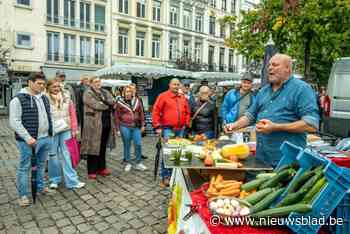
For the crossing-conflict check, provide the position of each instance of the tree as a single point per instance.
(315, 32)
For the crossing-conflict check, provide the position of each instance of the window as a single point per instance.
(141, 9)
(222, 31)
(123, 41)
(53, 46)
(212, 3)
(211, 51)
(85, 50)
(187, 19)
(156, 46)
(221, 59)
(140, 44)
(230, 61)
(173, 45)
(198, 52)
(99, 52)
(52, 11)
(233, 6)
(100, 18)
(156, 11)
(85, 15)
(69, 48)
(174, 15)
(199, 22)
(124, 6)
(224, 4)
(187, 48)
(212, 25)
(24, 40)
(24, 2)
(69, 13)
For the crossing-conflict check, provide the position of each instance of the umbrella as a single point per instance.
(270, 50)
(156, 160)
(34, 175)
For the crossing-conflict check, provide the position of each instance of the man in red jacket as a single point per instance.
(171, 115)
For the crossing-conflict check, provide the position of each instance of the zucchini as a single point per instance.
(254, 184)
(313, 192)
(257, 196)
(287, 166)
(298, 182)
(283, 211)
(311, 182)
(266, 201)
(266, 175)
(271, 183)
(292, 198)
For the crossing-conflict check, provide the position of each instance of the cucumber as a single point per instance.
(257, 196)
(313, 192)
(292, 198)
(266, 201)
(283, 211)
(298, 182)
(311, 182)
(271, 183)
(266, 175)
(254, 184)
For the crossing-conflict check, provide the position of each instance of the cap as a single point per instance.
(248, 76)
(186, 82)
(60, 73)
(205, 81)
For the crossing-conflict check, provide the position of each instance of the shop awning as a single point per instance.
(142, 70)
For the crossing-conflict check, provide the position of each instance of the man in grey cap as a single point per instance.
(68, 89)
(237, 101)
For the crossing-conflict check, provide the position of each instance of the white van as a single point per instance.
(337, 120)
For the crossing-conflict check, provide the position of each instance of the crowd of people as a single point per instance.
(46, 114)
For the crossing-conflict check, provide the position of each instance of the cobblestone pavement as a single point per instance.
(126, 202)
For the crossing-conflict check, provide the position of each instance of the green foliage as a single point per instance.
(322, 26)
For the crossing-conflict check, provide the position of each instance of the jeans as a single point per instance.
(60, 160)
(127, 135)
(167, 132)
(42, 149)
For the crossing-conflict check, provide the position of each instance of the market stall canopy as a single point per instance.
(216, 76)
(115, 83)
(235, 82)
(142, 70)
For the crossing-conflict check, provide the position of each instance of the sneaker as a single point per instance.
(79, 185)
(105, 172)
(144, 157)
(141, 167)
(46, 191)
(128, 167)
(165, 183)
(53, 186)
(92, 176)
(23, 202)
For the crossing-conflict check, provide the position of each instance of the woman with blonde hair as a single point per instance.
(64, 128)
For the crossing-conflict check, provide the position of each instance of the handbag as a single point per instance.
(196, 113)
(59, 126)
(74, 150)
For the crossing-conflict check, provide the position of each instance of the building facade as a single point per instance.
(82, 36)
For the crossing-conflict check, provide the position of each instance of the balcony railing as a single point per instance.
(75, 24)
(74, 59)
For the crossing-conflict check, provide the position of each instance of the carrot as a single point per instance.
(232, 192)
(230, 181)
(225, 186)
(219, 178)
(230, 187)
(211, 184)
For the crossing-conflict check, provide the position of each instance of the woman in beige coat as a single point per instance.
(98, 127)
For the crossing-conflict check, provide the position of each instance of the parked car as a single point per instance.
(337, 103)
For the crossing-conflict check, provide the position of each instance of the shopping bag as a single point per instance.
(74, 151)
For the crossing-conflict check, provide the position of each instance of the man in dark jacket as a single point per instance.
(30, 118)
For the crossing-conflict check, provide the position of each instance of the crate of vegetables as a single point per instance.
(302, 185)
(343, 212)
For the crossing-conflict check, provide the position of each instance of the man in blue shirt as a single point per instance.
(237, 101)
(285, 110)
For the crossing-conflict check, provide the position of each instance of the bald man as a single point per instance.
(285, 110)
(171, 116)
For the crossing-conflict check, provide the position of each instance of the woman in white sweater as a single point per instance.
(64, 127)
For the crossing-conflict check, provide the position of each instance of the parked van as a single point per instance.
(337, 104)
